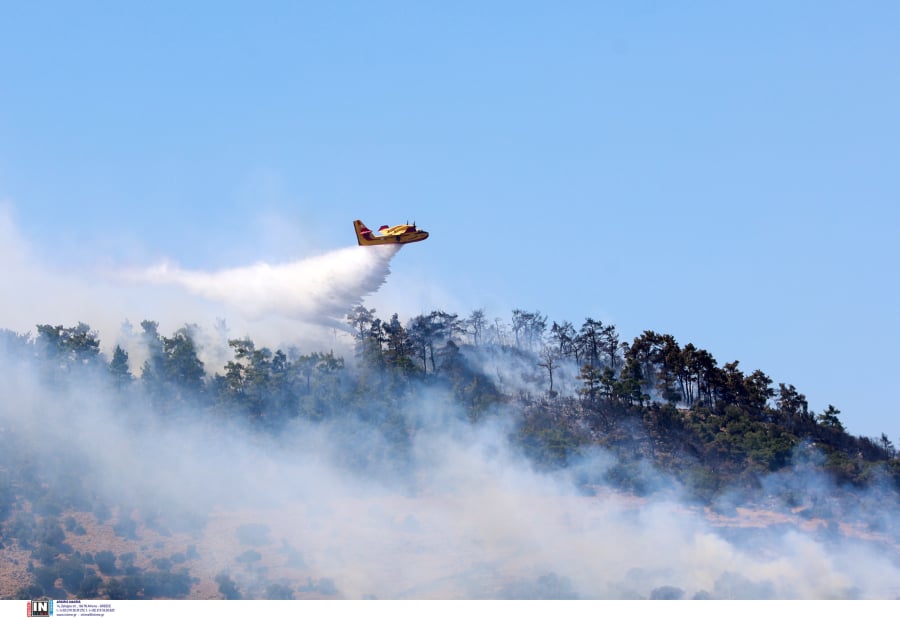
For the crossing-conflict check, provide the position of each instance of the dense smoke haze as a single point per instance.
(340, 508)
(457, 514)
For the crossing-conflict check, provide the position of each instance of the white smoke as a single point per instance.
(462, 515)
(319, 290)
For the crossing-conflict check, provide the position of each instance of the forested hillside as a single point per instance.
(662, 416)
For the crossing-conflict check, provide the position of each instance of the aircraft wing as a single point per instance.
(397, 230)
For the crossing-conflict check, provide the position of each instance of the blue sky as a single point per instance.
(723, 172)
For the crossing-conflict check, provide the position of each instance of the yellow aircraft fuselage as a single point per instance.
(399, 234)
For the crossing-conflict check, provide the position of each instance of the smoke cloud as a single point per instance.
(336, 508)
(333, 507)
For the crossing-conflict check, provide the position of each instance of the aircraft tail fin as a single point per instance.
(363, 234)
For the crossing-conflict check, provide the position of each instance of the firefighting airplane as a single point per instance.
(400, 234)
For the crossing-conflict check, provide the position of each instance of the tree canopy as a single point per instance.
(570, 386)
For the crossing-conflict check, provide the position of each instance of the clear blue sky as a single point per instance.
(728, 173)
